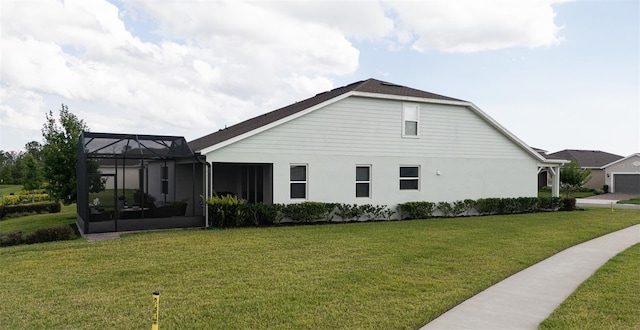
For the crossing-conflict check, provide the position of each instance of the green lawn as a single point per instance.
(383, 275)
(32, 223)
(630, 201)
(8, 189)
(607, 300)
(577, 194)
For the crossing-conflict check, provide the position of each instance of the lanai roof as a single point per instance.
(365, 86)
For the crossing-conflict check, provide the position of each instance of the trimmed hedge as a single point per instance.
(6, 210)
(24, 199)
(39, 236)
(416, 210)
(229, 211)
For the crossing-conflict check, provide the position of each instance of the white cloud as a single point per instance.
(21, 109)
(213, 63)
(471, 26)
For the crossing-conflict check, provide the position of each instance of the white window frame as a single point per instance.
(408, 178)
(406, 117)
(368, 182)
(305, 182)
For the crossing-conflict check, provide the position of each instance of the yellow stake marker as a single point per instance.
(156, 303)
(611, 206)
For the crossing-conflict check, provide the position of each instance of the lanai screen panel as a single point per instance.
(129, 179)
(135, 146)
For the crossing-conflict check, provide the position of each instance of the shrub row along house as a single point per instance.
(370, 142)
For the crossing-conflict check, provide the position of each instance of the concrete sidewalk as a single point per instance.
(527, 298)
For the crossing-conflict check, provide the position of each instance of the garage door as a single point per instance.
(627, 183)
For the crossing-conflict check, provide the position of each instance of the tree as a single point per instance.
(9, 167)
(59, 154)
(31, 174)
(573, 177)
(34, 148)
(96, 183)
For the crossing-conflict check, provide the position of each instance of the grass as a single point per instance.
(8, 189)
(607, 300)
(31, 223)
(630, 201)
(382, 275)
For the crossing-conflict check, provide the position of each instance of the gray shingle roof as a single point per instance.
(365, 86)
(586, 158)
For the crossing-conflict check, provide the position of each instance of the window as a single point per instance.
(363, 181)
(298, 181)
(410, 120)
(164, 172)
(409, 177)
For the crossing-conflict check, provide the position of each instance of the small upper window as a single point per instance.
(298, 181)
(363, 181)
(410, 120)
(409, 177)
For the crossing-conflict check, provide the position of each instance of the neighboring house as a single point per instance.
(623, 175)
(588, 159)
(372, 142)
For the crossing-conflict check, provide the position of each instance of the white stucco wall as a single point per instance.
(474, 159)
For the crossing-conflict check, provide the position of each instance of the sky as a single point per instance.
(558, 74)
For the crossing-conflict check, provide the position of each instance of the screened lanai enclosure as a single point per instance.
(137, 182)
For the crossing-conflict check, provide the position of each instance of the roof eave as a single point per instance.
(620, 160)
(272, 124)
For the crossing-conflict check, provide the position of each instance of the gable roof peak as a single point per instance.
(368, 86)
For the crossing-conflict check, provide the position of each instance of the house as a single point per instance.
(589, 159)
(372, 142)
(623, 175)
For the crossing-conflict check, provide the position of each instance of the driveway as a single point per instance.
(605, 200)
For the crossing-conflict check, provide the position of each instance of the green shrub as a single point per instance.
(263, 214)
(373, 212)
(49, 235)
(549, 203)
(446, 210)
(226, 211)
(508, 206)
(568, 204)
(42, 235)
(348, 211)
(11, 239)
(29, 208)
(229, 211)
(469, 205)
(605, 188)
(54, 207)
(10, 200)
(527, 204)
(24, 199)
(387, 213)
(416, 210)
(486, 206)
(307, 211)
